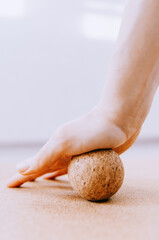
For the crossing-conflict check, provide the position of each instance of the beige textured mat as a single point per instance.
(48, 209)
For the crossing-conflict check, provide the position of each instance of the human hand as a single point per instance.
(92, 131)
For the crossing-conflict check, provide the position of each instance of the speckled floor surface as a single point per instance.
(48, 209)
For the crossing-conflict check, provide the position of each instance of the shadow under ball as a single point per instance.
(96, 175)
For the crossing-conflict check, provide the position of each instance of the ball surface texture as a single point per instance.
(96, 175)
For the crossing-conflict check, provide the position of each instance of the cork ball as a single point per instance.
(96, 175)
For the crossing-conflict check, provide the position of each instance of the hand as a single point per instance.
(92, 131)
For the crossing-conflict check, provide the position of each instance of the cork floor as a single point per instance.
(50, 209)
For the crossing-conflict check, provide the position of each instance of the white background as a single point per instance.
(53, 62)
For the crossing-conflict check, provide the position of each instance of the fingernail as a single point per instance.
(22, 167)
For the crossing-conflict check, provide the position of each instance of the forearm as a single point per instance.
(132, 75)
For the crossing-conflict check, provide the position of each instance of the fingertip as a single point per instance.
(49, 178)
(11, 184)
(17, 180)
(53, 175)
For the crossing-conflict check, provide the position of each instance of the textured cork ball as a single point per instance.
(96, 175)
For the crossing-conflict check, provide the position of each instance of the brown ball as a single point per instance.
(96, 175)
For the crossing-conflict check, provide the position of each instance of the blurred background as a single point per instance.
(54, 57)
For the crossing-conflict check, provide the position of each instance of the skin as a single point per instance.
(117, 118)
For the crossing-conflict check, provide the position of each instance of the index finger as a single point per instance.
(17, 180)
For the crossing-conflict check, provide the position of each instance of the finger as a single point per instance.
(18, 179)
(24, 165)
(51, 157)
(39, 164)
(55, 174)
